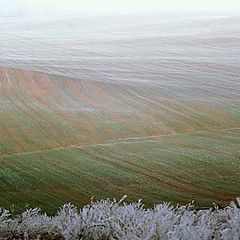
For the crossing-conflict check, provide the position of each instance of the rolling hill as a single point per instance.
(66, 139)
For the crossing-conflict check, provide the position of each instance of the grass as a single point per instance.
(175, 168)
(66, 140)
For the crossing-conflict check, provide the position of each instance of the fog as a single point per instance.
(61, 7)
(171, 50)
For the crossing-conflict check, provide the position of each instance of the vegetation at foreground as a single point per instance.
(108, 219)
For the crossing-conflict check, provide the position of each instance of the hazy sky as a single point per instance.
(93, 6)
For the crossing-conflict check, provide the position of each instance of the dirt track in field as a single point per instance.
(54, 111)
(43, 114)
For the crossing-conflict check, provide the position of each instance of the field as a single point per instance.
(65, 139)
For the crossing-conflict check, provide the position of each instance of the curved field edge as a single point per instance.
(112, 219)
(41, 111)
(67, 140)
(177, 168)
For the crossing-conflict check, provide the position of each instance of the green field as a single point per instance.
(67, 140)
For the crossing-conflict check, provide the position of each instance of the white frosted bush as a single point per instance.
(108, 219)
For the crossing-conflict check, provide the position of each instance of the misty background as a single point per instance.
(68, 7)
(102, 40)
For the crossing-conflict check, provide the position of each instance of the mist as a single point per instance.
(64, 7)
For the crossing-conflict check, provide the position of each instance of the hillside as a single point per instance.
(66, 140)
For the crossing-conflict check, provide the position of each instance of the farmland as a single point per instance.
(65, 139)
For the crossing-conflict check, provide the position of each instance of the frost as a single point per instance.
(112, 219)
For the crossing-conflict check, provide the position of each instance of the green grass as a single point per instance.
(137, 139)
(203, 166)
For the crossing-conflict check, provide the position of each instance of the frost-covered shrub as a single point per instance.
(108, 219)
